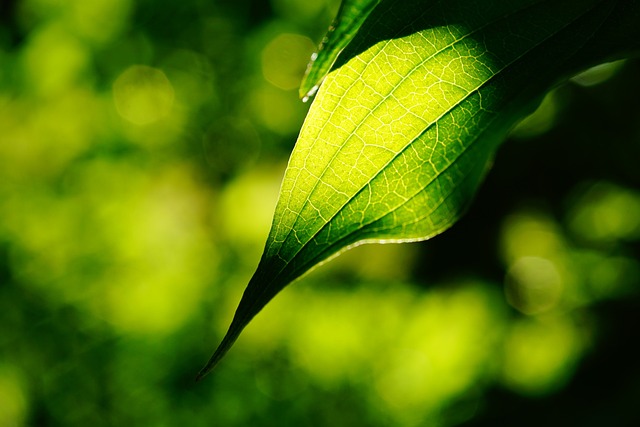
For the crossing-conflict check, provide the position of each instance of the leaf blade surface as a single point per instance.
(402, 130)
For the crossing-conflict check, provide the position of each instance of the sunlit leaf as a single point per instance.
(404, 128)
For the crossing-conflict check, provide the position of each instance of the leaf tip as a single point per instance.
(211, 364)
(221, 351)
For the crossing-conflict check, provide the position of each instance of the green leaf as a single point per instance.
(351, 15)
(404, 127)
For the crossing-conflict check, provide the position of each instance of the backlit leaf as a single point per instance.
(404, 127)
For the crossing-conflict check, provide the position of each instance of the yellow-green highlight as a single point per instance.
(140, 165)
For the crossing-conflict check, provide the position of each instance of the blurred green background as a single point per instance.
(142, 145)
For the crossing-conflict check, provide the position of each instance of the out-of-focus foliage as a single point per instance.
(142, 146)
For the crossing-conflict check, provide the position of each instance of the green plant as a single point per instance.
(417, 95)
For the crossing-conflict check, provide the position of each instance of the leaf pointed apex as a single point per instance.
(265, 283)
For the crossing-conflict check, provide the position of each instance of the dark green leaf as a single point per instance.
(350, 17)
